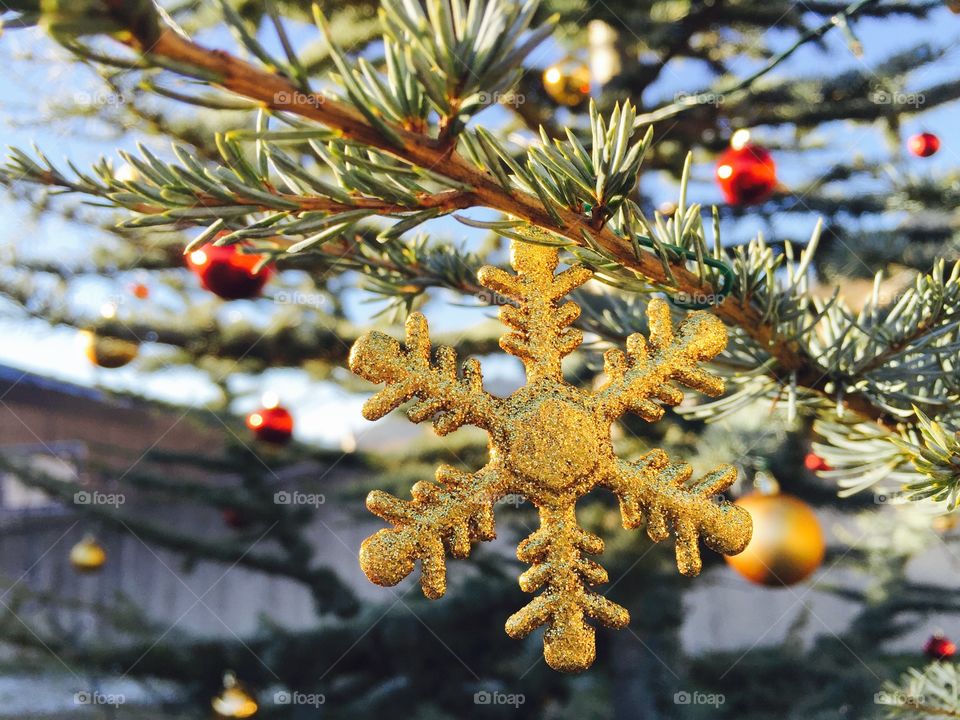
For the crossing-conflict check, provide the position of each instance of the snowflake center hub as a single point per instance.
(563, 451)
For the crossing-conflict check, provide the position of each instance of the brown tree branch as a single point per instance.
(277, 93)
(448, 200)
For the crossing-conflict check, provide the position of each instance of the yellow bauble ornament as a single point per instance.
(88, 555)
(568, 82)
(108, 352)
(945, 523)
(234, 701)
(787, 543)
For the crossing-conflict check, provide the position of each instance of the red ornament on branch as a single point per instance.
(939, 647)
(923, 144)
(272, 423)
(228, 272)
(746, 172)
(236, 518)
(815, 463)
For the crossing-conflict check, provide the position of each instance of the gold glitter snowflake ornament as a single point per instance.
(549, 442)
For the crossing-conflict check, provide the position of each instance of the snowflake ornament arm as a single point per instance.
(550, 442)
(458, 509)
(654, 489)
(409, 373)
(449, 515)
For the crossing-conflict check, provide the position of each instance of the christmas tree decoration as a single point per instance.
(228, 272)
(923, 144)
(88, 555)
(140, 290)
(568, 82)
(235, 518)
(945, 523)
(550, 443)
(234, 701)
(953, 6)
(108, 352)
(815, 463)
(939, 647)
(667, 209)
(272, 423)
(787, 543)
(746, 172)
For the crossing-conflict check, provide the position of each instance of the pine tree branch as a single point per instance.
(329, 591)
(279, 94)
(565, 205)
(676, 108)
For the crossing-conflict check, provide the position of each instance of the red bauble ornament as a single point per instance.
(140, 291)
(746, 174)
(235, 518)
(272, 424)
(923, 144)
(227, 272)
(939, 647)
(815, 463)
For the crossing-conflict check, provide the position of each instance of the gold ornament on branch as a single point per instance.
(234, 701)
(88, 555)
(550, 442)
(568, 82)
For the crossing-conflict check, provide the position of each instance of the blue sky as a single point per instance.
(324, 411)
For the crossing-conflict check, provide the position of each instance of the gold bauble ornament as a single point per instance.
(945, 523)
(787, 543)
(108, 352)
(234, 701)
(550, 443)
(568, 82)
(88, 555)
(953, 6)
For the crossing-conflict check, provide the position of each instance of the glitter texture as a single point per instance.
(550, 442)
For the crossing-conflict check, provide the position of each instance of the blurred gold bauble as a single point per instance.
(954, 6)
(787, 543)
(667, 209)
(234, 701)
(108, 352)
(945, 523)
(568, 82)
(88, 555)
